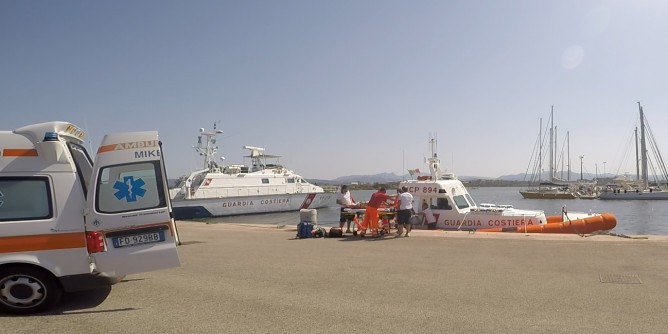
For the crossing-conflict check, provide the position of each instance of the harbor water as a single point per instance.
(633, 217)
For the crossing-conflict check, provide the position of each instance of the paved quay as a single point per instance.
(259, 279)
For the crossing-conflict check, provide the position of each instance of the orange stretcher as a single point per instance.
(385, 214)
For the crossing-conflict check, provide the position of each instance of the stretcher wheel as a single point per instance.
(354, 232)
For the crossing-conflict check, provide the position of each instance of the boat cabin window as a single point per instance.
(265, 181)
(25, 198)
(257, 167)
(461, 202)
(291, 180)
(428, 201)
(468, 197)
(442, 204)
(197, 180)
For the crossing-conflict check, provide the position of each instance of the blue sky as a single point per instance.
(344, 87)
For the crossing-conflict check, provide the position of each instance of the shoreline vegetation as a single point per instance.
(395, 185)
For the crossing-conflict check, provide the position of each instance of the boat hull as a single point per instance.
(231, 206)
(632, 195)
(483, 219)
(556, 224)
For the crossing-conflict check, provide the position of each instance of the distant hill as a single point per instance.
(377, 178)
(513, 177)
(381, 178)
(391, 177)
(545, 176)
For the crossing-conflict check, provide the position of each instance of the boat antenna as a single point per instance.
(434, 162)
(208, 148)
(403, 165)
(88, 134)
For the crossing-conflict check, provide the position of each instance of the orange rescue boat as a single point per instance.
(581, 224)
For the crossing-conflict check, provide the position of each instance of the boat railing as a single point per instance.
(493, 207)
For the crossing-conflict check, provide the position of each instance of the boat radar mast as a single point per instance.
(435, 163)
(254, 151)
(208, 148)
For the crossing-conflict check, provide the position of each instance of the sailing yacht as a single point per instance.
(550, 189)
(625, 188)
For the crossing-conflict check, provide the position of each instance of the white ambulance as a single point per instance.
(68, 223)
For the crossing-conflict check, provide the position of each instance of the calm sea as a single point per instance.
(633, 217)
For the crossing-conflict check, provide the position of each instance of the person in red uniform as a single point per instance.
(371, 213)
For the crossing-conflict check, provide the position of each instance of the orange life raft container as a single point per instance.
(555, 224)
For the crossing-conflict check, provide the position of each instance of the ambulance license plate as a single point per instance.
(138, 239)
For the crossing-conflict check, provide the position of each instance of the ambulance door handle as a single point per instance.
(68, 230)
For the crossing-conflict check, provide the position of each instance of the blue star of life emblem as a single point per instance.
(129, 188)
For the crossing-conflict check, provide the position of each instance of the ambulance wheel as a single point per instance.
(26, 290)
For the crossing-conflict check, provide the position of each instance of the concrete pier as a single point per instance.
(259, 279)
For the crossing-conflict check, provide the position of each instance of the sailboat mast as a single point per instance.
(643, 148)
(540, 151)
(556, 158)
(552, 144)
(568, 153)
(635, 132)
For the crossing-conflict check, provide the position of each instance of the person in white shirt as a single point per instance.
(428, 216)
(345, 200)
(404, 212)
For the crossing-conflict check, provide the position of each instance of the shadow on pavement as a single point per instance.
(75, 303)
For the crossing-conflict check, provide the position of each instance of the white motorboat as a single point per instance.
(261, 187)
(454, 209)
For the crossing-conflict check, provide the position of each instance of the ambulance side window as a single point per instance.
(25, 198)
(129, 187)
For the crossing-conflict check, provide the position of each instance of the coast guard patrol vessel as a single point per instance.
(454, 208)
(261, 187)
